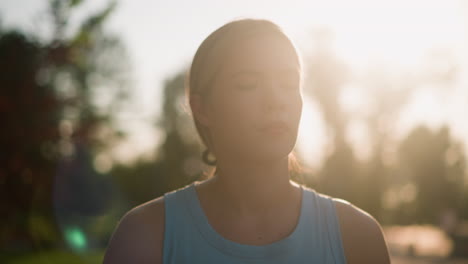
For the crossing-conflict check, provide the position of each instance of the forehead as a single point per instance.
(265, 53)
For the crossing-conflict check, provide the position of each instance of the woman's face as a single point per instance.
(255, 104)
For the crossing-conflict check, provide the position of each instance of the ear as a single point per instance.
(198, 110)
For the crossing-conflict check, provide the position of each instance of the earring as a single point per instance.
(206, 158)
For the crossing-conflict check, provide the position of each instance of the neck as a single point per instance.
(247, 188)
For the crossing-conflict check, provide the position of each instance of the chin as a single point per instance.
(273, 152)
(259, 148)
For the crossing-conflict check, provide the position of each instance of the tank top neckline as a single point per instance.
(286, 245)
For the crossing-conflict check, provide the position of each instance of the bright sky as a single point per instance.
(162, 36)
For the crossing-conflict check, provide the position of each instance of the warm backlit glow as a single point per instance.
(424, 240)
(312, 137)
(421, 39)
(398, 32)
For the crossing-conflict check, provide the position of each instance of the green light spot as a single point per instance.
(75, 238)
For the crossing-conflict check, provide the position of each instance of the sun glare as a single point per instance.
(397, 32)
(401, 36)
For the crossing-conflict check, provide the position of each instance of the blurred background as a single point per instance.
(93, 119)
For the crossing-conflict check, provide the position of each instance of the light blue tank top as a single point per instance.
(189, 238)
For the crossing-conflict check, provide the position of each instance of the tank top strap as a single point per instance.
(177, 224)
(326, 217)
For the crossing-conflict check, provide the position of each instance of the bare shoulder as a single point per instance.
(363, 239)
(139, 235)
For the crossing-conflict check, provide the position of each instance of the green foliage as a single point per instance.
(435, 163)
(177, 160)
(53, 124)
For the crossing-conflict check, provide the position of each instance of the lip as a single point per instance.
(274, 127)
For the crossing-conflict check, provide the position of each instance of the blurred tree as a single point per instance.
(58, 101)
(390, 92)
(325, 76)
(434, 165)
(180, 151)
(29, 129)
(177, 160)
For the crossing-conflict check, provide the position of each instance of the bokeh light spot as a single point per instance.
(76, 238)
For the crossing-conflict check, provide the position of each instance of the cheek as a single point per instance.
(234, 112)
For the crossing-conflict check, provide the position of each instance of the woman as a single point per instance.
(244, 90)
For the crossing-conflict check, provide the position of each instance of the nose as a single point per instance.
(274, 98)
